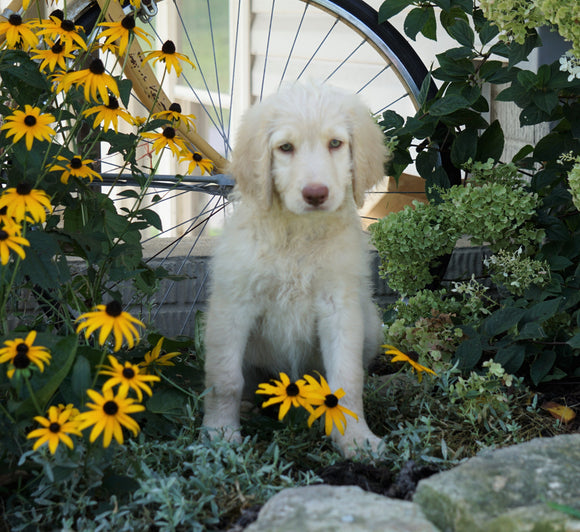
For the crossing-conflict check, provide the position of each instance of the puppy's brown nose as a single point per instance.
(315, 195)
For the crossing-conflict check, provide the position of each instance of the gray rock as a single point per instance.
(323, 508)
(508, 490)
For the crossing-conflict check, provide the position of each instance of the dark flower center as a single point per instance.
(331, 400)
(128, 373)
(97, 67)
(67, 25)
(113, 103)
(114, 309)
(29, 120)
(23, 189)
(292, 390)
(76, 163)
(169, 132)
(168, 48)
(110, 408)
(21, 360)
(58, 13)
(128, 22)
(15, 19)
(3, 235)
(57, 48)
(54, 427)
(197, 157)
(175, 107)
(413, 355)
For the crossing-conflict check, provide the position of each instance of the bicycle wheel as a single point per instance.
(242, 52)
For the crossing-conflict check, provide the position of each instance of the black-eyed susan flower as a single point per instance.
(174, 115)
(20, 353)
(108, 115)
(122, 31)
(18, 33)
(30, 124)
(169, 56)
(4, 218)
(95, 81)
(110, 318)
(108, 414)
(75, 167)
(55, 28)
(56, 428)
(127, 376)
(11, 240)
(287, 393)
(154, 359)
(24, 203)
(168, 138)
(327, 403)
(399, 356)
(55, 55)
(196, 160)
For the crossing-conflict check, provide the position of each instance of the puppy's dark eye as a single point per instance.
(334, 144)
(287, 147)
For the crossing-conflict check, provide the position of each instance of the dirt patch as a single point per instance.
(378, 478)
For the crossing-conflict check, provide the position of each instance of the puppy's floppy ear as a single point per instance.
(251, 157)
(368, 151)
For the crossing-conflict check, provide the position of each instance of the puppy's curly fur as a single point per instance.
(291, 289)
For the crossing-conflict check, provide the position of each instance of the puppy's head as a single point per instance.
(308, 147)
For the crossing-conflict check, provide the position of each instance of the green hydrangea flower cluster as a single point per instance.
(514, 18)
(516, 272)
(497, 213)
(564, 14)
(574, 183)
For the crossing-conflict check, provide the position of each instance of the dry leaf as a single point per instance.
(560, 412)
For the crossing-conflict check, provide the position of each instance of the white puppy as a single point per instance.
(291, 289)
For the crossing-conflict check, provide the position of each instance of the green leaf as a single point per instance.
(541, 366)
(391, 120)
(419, 19)
(468, 354)
(524, 152)
(488, 32)
(511, 357)
(390, 8)
(66, 349)
(152, 218)
(553, 145)
(546, 101)
(542, 311)
(574, 342)
(491, 143)
(462, 33)
(448, 105)
(40, 265)
(81, 377)
(464, 147)
(426, 162)
(502, 320)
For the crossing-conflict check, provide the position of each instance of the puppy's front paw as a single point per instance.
(352, 445)
(228, 433)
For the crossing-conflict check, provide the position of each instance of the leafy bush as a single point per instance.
(522, 209)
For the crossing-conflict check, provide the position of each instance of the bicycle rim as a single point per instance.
(269, 43)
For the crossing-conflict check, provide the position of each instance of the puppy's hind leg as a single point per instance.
(227, 331)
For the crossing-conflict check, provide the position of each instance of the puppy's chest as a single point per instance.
(287, 280)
